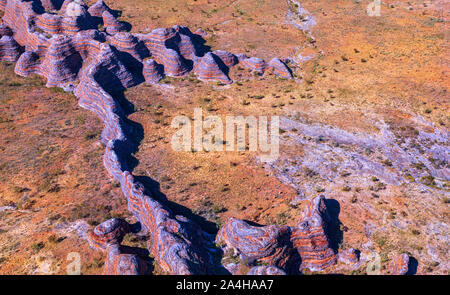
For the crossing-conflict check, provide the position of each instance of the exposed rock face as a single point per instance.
(112, 25)
(399, 265)
(152, 71)
(9, 49)
(349, 256)
(111, 72)
(309, 237)
(27, 64)
(126, 42)
(61, 62)
(98, 8)
(229, 59)
(268, 244)
(110, 232)
(277, 245)
(3, 4)
(66, 49)
(280, 69)
(265, 271)
(120, 260)
(254, 64)
(210, 68)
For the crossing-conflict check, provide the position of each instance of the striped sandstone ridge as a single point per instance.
(229, 59)
(254, 64)
(127, 43)
(399, 265)
(9, 49)
(98, 8)
(263, 270)
(120, 260)
(103, 64)
(309, 236)
(113, 26)
(211, 68)
(255, 244)
(280, 245)
(152, 71)
(280, 68)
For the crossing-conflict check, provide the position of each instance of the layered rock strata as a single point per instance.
(399, 265)
(67, 50)
(280, 245)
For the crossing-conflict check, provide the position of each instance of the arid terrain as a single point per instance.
(364, 122)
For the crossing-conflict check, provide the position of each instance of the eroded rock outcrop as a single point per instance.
(310, 239)
(9, 49)
(211, 68)
(280, 68)
(349, 256)
(152, 71)
(229, 59)
(267, 244)
(98, 8)
(120, 260)
(68, 50)
(399, 265)
(254, 64)
(280, 245)
(112, 25)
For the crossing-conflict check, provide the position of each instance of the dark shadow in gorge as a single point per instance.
(333, 224)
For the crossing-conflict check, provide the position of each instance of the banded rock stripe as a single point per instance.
(152, 71)
(280, 68)
(98, 8)
(9, 49)
(113, 26)
(268, 244)
(309, 237)
(278, 245)
(207, 68)
(348, 256)
(399, 265)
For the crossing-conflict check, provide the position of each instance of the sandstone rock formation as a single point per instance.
(98, 8)
(67, 49)
(254, 64)
(399, 265)
(349, 256)
(120, 260)
(280, 69)
(279, 245)
(268, 244)
(229, 59)
(9, 49)
(152, 71)
(310, 239)
(210, 68)
(112, 25)
(110, 232)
